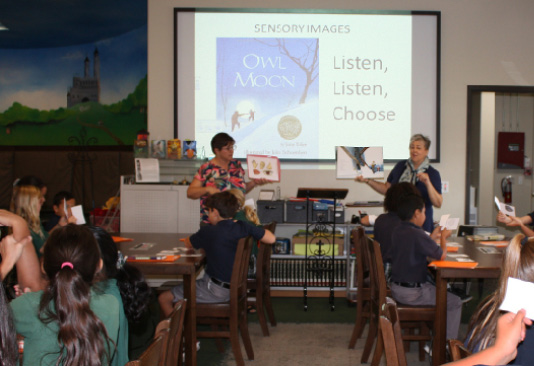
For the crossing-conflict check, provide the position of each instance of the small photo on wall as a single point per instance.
(354, 161)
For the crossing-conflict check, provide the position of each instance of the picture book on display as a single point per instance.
(263, 167)
(354, 161)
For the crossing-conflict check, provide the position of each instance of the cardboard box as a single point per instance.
(299, 246)
(269, 211)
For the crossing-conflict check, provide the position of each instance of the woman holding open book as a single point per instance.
(418, 171)
(219, 174)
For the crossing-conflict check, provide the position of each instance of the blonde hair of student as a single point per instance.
(518, 262)
(250, 213)
(26, 203)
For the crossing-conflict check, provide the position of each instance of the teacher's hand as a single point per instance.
(361, 179)
(260, 182)
(501, 217)
(211, 190)
(424, 178)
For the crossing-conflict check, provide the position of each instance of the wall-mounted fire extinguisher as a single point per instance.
(506, 187)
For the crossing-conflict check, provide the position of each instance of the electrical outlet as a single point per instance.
(444, 186)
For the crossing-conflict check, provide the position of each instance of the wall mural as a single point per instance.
(88, 94)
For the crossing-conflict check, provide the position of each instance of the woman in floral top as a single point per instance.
(219, 174)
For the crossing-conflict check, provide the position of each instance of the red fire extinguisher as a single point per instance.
(506, 187)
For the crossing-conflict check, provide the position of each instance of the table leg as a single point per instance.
(440, 324)
(190, 320)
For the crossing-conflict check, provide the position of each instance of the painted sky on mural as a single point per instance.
(40, 78)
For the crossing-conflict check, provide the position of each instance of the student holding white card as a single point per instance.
(518, 262)
(522, 222)
(62, 204)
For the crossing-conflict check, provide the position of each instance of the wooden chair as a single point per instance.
(458, 350)
(411, 316)
(154, 355)
(363, 296)
(391, 334)
(232, 314)
(175, 325)
(259, 288)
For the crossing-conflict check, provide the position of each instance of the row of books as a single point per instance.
(292, 272)
(165, 149)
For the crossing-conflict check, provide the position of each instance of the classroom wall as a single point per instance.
(482, 43)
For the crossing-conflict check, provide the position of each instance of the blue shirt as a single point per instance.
(409, 253)
(220, 244)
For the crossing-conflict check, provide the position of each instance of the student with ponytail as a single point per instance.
(68, 323)
(518, 262)
(127, 284)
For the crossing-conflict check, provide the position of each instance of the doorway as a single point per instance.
(490, 110)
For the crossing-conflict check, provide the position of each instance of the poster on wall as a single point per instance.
(91, 94)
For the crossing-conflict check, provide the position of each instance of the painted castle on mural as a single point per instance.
(86, 88)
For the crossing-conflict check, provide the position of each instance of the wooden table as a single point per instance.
(489, 266)
(188, 267)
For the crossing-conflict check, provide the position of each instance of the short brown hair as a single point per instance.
(224, 202)
(420, 137)
(220, 140)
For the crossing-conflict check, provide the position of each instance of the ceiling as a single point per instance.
(61, 23)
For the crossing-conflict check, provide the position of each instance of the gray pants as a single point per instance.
(207, 291)
(426, 295)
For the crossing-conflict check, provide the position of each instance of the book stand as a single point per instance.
(320, 261)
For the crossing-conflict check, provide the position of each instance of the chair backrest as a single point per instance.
(175, 325)
(376, 273)
(359, 241)
(391, 334)
(263, 269)
(238, 283)
(458, 350)
(155, 352)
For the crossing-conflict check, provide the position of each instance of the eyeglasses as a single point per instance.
(232, 147)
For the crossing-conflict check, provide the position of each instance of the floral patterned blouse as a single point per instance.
(213, 175)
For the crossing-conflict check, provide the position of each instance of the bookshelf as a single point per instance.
(287, 270)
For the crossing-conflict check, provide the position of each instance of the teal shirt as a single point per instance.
(38, 240)
(41, 347)
(110, 287)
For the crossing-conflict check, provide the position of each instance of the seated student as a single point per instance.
(245, 213)
(60, 217)
(409, 262)
(523, 222)
(68, 323)
(518, 262)
(388, 221)
(27, 202)
(126, 283)
(511, 331)
(219, 240)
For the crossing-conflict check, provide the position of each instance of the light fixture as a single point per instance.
(3, 27)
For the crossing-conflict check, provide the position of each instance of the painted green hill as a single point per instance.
(84, 124)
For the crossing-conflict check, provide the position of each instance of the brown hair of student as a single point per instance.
(518, 262)
(82, 335)
(224, 202)
(396, 193)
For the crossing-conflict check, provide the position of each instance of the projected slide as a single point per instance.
(298, 85)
